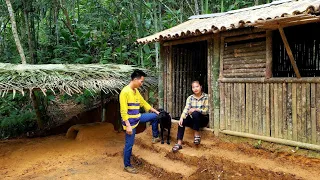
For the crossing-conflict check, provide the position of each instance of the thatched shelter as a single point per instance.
(66, 78)
(259, 65)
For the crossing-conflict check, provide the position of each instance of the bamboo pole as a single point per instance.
(303, 114)
(274, 140)
(170, 90)
(299, 112)
(232, 107)
(263, 101)
(245, 37)
(222, 107)
(243, 107)
(289, 52)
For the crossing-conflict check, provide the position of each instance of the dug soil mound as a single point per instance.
(96, 153)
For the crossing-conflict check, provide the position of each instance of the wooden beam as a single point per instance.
(271, 80)
(286, 44)
(188, 40)
(269, 54)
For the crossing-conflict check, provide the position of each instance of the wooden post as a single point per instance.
(286, 44)
(160, 76)
(210, 83)
(215, 82)
(169, 80)
(269, 54)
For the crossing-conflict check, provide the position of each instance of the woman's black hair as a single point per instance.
(137, 73)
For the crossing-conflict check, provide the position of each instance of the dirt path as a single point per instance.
(96, 153)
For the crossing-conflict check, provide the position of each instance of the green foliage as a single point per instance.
(16, 116)
(99, 32)
(258, 144)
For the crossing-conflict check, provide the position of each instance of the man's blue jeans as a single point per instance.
(145, 117)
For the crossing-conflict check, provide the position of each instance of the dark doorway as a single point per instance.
(189, 64)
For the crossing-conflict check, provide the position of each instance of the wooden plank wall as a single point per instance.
(244, 56)
(281, 110)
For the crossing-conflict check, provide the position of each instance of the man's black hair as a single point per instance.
(138, 74)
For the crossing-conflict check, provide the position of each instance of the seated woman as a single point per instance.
(194, 115)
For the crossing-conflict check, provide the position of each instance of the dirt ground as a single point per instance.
(96, 153)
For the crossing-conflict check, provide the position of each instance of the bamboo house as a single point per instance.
(259, 65)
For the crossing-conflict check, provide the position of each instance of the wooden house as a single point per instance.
(259, 65)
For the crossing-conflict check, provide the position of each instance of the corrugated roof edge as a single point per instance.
(191, 28)
(203, 16)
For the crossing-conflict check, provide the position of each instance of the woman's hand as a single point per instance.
(192, 110)
(180, 122)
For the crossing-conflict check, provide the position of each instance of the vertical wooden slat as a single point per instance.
(228, 106)
(238, 105)
(232, 108)
(289, 111)
(299, 111)
(280, 111)
(303, 114)
(272, 109)
(294, 112)
(253, 101)
(256, 109)
(222, 106)
(313, 114)
(276, 111)
(318, 112)
(284, 113)
(259, 109)
(165, 85)
(264, 109)
(248, 103)
(268, 111)
(308, 113)
(243, 107)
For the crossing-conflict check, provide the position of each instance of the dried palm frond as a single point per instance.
(67, 78)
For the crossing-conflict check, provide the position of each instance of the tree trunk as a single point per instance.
(15, 33)
(66, 14)
(256, 2)
(36, 108)
(221, 6)
(196, 6)
(27, 20)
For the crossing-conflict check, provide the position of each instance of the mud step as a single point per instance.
(159, 160)
(192, 155)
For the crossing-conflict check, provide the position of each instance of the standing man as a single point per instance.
(130, 103)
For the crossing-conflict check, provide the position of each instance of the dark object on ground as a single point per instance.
(164, 119)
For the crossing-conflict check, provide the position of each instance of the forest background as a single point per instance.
(85, 32)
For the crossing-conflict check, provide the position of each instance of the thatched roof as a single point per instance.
(283, 12)
(67, 78)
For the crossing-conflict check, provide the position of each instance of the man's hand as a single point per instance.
(129, 130)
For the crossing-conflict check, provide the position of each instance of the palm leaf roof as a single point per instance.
(67, 78)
